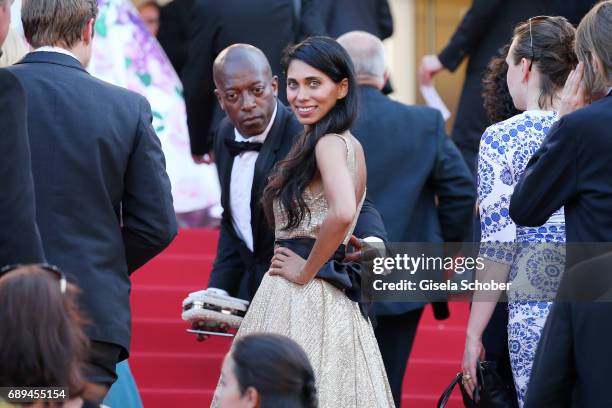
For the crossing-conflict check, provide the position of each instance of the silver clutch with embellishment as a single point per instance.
(214, 307)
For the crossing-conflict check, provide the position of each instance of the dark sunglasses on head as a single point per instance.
(50, 268)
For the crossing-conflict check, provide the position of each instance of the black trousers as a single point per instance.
(395, 335)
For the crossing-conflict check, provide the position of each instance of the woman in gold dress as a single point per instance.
(314, 198)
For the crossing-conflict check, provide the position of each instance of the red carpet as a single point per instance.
(173, 370)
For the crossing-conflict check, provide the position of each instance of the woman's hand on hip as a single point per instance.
(289, 265)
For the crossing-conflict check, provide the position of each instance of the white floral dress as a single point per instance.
(535, 266)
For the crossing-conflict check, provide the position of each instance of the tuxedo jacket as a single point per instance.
(270, 25)
(103, 202)
(411, 143)
(19, 238)
(572, 168)
(236, 269)
(486, 27)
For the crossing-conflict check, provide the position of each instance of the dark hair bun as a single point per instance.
(552, 52)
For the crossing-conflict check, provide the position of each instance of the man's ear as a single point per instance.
(274, 84)
(386, 76)
(219, 98)
(343, 88)
(88, 31)
(595, 63)
(252, 397)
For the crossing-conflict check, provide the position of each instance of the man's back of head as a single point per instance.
(66, 24)
(368, 55)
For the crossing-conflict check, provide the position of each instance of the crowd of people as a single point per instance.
(315, 162)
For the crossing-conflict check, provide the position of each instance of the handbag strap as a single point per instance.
(448, 391)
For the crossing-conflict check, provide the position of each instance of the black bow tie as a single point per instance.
(235, 148)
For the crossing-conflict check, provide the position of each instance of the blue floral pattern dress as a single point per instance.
(535, 255)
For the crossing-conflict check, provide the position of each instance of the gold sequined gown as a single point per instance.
(338, 340)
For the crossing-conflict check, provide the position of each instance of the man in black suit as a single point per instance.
(411, 164)
(19, 237)
(371, 16)
(104, 206)
(257, 133)
(270, 25)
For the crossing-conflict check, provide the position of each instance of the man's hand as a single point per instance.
(363, 250)
(209, 326)
(430, 66)
(357, 252)
(203, 158)
(573, 96)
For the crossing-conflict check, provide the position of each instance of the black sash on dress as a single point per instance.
(345, 276)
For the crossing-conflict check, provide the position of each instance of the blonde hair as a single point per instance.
(56, 22)
(593, 39)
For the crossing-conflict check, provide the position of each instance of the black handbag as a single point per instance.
(490, 392)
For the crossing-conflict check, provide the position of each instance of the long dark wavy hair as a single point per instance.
(292, 175)
(278, 368)
(497, 99)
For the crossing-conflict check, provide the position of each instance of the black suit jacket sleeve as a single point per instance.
(197, 80)
(173, 31)
(370, 222)
(19, 237)
(453, 185)
(228, 268)
(311, 20)
(473, 26)
(551, 381)
(149, 222)
(549, 180)
(385, 19)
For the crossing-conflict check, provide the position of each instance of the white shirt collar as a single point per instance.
(49, 48)
(260, 138)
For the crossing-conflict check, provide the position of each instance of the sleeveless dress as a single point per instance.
(330, 327)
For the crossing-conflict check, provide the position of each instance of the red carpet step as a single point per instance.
(173, 370)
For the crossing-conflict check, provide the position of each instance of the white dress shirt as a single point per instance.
(241, 184)
(48, 48)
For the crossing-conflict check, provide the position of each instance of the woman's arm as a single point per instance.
(498, 234)
(483, 305)
(339, 190)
